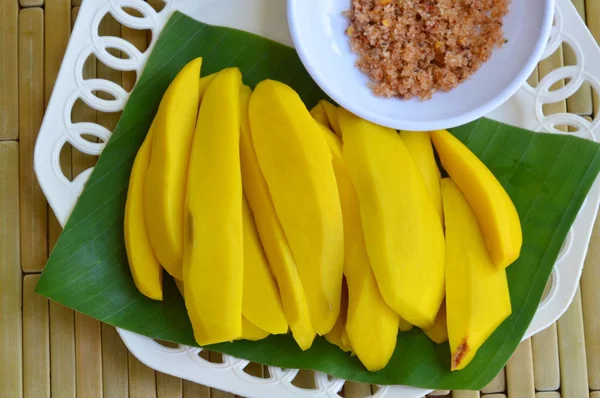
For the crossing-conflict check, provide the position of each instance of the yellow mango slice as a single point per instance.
(261, 303)
(438, 333)
(371, 325)
(418, 144)
(166, 178)
(296, 163)
(252, 332)
(275, 244)
(145, 268)
(477, 295)
(332, 117)
(337, 335)
(403, 234)
(319, 114)
(405, 326)
(213, 260)
(495, 212)
(249, 331)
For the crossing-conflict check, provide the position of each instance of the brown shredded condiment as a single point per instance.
(413, 48)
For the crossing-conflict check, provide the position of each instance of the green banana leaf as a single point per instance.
(547, 176)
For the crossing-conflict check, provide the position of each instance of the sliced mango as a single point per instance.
(332, 117)
(477, 295)
(438, 333)
(371, 325)
(418, 144)
(249, 330)
(337, 335)
(144, 266)
(252, 332)
(319, 114)
(275, 244)
(405, 326)
(213, 261)
(495, 212)
(296, 163)
(402, 230)
(166, 178)
(261, 303)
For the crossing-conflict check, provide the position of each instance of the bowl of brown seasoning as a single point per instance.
(420, 64)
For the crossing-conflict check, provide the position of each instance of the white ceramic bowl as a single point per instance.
(318, 29)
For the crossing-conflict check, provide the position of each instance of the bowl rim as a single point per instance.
(446, 123)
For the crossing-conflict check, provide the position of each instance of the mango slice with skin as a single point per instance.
(213, 261)
(402, 230)
(270, 231)
(166, 177)
(419, 145)
(477, 295)
(296, 163)
(261, 303)
(438, 333)
(495, 212)
(371, 325)
(145, 268)
(249, 330)
(336, 335)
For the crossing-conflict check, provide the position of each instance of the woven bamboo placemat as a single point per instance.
(48, 350)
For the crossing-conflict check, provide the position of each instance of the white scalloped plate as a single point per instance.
(268, 18)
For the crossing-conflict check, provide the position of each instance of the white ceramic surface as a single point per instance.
(318, 31)
(268, 18)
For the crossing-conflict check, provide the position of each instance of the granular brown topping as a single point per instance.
(412, 48)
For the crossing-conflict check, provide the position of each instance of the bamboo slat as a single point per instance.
(494, 396)
(548, 394)
(88, 356)
(62, 351)
(30, 3)
(519, 372)
(56, 38)
(590, 295)
(571, 346)
(34, 231)
(356, 390)
(9, 87)
(595, 394)
(193, 390)
(10, 274)
(546, 367)
(497, 385)
(579, 103)
(36, 344)
(168, 386)
(142, 380)
(114, 363)
(465, 394)
(63, 369)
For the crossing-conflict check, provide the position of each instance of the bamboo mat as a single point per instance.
(48, 350)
